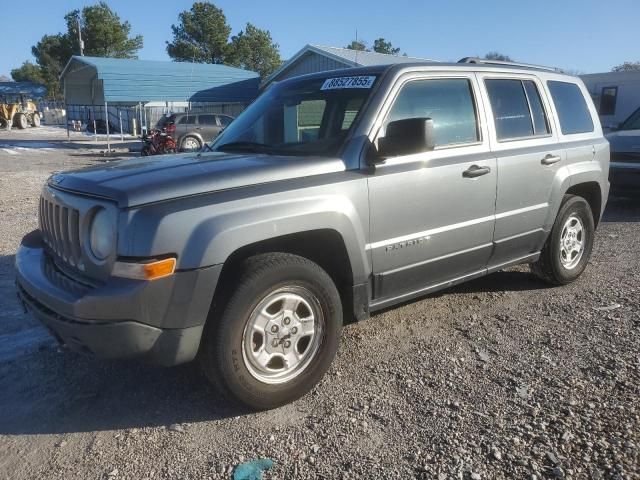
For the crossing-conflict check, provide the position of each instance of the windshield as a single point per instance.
(309, 117)
(633, 122)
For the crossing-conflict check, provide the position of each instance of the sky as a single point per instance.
(585, 36)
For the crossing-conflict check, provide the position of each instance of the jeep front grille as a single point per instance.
(60, 226)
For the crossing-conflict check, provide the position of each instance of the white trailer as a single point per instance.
(615, 94)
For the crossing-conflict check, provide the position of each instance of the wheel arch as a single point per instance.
(325, 247)
(591, 192)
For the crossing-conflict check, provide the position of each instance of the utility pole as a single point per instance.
(80, 42)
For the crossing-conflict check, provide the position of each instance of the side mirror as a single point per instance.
(404, 137)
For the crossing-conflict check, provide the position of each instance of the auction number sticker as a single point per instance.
(348, 82)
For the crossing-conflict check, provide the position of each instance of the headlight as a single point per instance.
(101, 235)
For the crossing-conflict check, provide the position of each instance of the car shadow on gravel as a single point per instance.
(55, 391)
(502, 281)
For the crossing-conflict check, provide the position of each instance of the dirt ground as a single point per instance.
(503, 377)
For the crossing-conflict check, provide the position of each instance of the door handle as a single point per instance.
(475, 171)
(550, 159)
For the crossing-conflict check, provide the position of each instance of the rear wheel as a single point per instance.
(566, 253)
(36, 120)
(278, 333)
(20, 121)
(190, 144)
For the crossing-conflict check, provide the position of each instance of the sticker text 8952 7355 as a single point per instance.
(348, 82)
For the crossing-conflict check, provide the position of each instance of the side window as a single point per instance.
(187, 120)
(608, 100)
(517, 109)
(448, 102)
(573, 112)
(207, 119)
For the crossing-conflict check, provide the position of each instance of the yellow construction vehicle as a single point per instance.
(18, 111)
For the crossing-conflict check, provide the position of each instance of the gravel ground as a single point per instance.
(502, 377)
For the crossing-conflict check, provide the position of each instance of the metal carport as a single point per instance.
(102, 82)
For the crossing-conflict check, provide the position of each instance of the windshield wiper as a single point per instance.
(245, 146)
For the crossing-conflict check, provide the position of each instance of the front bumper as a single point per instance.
(160, 321)
(625, 178)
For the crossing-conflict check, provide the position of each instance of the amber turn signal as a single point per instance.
(145, 271)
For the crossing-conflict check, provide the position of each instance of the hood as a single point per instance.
(150, 179)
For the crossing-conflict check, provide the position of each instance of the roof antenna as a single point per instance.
(356, 45)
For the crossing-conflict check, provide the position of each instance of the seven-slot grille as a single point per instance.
(60, 226)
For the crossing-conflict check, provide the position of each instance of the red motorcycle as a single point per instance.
(159, 142)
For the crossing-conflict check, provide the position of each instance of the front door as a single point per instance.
(432, 213)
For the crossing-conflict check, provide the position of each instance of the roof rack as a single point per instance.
(507, 64)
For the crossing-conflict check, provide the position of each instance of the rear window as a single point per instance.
(573, 112)
(207, 120)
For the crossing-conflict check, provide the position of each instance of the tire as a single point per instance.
(555, 266)
(145, 152)
(273, 283)
(36, 120)
(190, 144)
(20, 121)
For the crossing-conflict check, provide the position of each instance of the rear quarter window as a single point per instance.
(571, 106)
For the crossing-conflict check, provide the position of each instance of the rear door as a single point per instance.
(208, 126)
(525, 142)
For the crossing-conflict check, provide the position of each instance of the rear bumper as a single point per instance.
(160, 321)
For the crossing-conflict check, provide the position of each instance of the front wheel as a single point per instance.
(20, 121)
(566, 253)
(36, 120)
(278, 333)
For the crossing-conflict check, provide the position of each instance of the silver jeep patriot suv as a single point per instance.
(332, 196)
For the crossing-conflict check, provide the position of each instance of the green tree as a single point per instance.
(498, 56)
(201, 35)
(52, 53)
(103, 33)
(359, 45)
(626, 67)
(28, 72)
(380, 45)
(254, 49)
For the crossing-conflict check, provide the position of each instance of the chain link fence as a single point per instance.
(134, 119)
